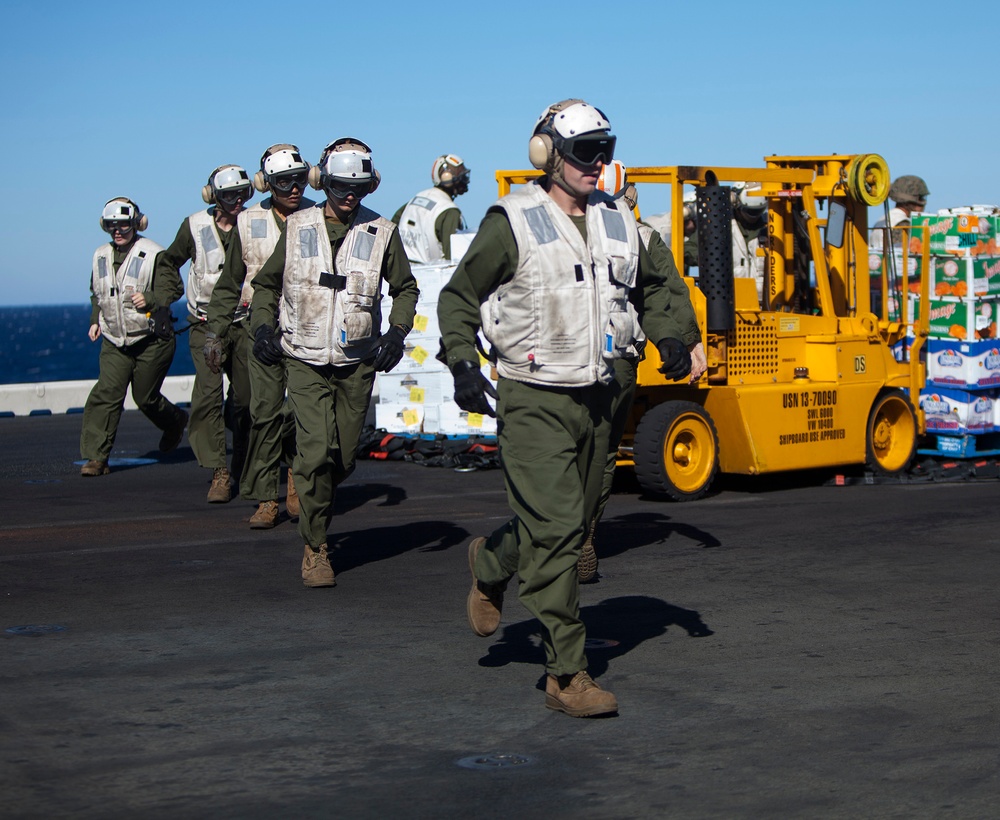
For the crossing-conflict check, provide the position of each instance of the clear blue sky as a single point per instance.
(145, 99)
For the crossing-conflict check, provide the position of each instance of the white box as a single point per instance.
(425, 321)
(415, 388)
(957, 411)
(431, 279)
(419, 356)
(399, 418)
(452, 420)
(460, 244)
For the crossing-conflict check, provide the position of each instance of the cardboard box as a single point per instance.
(399, 418)
(449, 419)
(966, 365)
(960, 232)
(430, 279)
(415, 388)
(957, 411)
(965, 276)
(460, 244)
(966, 319)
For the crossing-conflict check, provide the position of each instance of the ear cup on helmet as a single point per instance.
(207, 194)
(376, 179)
(260, 182)
(143, 223)
(540, 151)
(315, 177)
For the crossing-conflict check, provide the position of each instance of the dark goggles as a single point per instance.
(122, 226)
(231, 195)
(339, 189)
(284, 183)
(588, 149)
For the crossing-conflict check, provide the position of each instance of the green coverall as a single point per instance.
(272, 430)
(207, 427)
(329, 403)
(553, 445)
(142, 365)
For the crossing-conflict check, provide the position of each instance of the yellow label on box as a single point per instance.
(411, 418)
(420, 323)
(417, 395)
(475, 420)
(419, 354)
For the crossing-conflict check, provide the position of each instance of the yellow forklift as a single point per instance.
(808, 375)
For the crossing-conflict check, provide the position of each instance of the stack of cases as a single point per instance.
(962, 395)
(417, 397)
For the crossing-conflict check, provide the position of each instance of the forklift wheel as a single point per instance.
(892, 433)
(676, 450)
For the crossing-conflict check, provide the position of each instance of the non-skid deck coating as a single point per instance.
(780, 649)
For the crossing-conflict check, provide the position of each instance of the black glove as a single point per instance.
(213, 351)
(472, 388)
(266, 348)
(676, 359)
(390, 349)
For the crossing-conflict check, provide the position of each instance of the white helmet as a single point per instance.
(348, 168)
(279, 160)
(613, 178)
(574, 130)
(122, 209)
(752, 205)
(449, 172)
(227, 178)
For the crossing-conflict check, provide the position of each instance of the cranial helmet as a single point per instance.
(909, 190)
(354, 165)
(282, 158)
(752, 206)
(122, 209)
(449, 172)
(227, 178)
(570, 129)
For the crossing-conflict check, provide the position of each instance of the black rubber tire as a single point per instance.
(676, 450)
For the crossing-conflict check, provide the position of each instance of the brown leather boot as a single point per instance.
(222, 489)
(316, 569)
(94, 467)
(586, 564)
(578, 696)
(291, 498)
(266, 516)
(485, 601)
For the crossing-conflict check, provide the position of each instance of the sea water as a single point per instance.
(49, 343)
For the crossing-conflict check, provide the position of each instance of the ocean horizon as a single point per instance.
(49, 343)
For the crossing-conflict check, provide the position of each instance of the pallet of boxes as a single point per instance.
(417, 398)
(961, 400)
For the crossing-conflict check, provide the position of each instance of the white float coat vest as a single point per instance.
(330, 311)
(259, 231)
(416, 225)
(746, 263)
(564, 317)
(121, 324)
(897, 216)
(207, 262)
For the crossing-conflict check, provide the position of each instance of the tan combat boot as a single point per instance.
(578, 696)
(266, 516)
(316, 569)
(586, 564)
(485, 601)
(291, 498)
(94, 467)
(221, 490)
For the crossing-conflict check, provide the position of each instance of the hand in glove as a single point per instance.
(676, 359)
(390, 349)
(472, 388)
(266, 347)
(213, 351)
